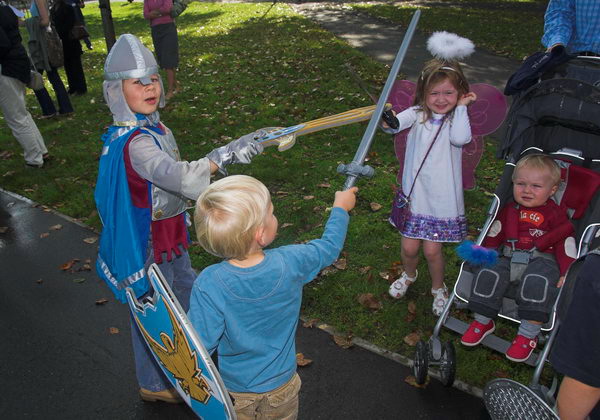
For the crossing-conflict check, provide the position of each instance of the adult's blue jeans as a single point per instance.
(43, 97)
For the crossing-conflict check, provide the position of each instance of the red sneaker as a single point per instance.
(477, 332)
(521, 348)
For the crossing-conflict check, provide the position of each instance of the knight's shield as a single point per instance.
(179, 351)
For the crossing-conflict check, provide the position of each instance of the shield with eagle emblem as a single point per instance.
(179, 351)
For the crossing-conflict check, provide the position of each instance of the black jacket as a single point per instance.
(13, 56)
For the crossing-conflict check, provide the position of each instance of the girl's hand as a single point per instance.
(154, 14)
(384, 124)
(561, 281)
(467, 99)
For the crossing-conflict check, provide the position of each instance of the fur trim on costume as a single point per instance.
(448, 46)
(477, 255)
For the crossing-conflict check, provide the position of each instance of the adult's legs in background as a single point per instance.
(64, 103)
(75, 75)
(18, 119)
(46, 103)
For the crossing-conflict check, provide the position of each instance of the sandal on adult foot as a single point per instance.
(440, 298)
(399, 287)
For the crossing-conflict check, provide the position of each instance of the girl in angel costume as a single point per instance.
(429, 206)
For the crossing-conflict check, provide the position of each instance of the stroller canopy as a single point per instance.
(552, 115)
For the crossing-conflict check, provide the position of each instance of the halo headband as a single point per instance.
(447, 46)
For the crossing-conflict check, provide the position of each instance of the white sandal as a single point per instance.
(398, 288)
(440, 299)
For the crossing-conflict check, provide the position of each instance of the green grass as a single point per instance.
(497, 26)
(247, 66)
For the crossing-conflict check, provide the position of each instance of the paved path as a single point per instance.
(381, 40)
(60, 359)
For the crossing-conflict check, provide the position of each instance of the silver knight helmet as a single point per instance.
(128, 59)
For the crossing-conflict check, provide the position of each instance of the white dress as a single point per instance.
(436, 202)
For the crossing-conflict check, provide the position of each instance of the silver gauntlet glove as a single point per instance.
(241, 150)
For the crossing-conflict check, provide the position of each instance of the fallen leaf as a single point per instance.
(328, 270)
(286, 225)
(344, 342)
(410, 317)
(101, 301)
(68, 265)
(78, 280)
(86, 267)
(340, 264)
(501, 374)
(412, 339)
(384, 275)
(301, 361)
(369, 301)
(412, 307)
(3, 229)
(310, 323)
(8, 173)
(91, 240)
(113, 330)
(308, 197)
(44, 235)
(375, 206)
(324, 185)
(412, 381)
(55, 227)
(282, 193)
(39, 281)
(364, 270)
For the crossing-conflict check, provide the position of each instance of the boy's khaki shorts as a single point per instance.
(281, 403)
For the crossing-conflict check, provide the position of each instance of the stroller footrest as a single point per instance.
(492, 341)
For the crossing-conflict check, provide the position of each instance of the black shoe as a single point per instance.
(33, 165)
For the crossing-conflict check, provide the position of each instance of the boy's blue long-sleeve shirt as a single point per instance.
(250, 314)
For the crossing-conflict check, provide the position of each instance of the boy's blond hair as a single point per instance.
(540, 162)
(228, 213)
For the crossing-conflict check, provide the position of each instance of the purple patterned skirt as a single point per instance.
(421, 226)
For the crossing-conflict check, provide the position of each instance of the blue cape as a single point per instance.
(126, 228)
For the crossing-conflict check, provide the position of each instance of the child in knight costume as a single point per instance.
(533, 235)
(142, 193)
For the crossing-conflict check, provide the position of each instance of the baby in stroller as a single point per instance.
(534, 239)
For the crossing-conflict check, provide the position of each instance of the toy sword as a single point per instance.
(285, 138)
(356, 168)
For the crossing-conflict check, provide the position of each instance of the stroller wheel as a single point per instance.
(421, 363)
(448, 364)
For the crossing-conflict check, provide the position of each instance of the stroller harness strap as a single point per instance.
(519, 258)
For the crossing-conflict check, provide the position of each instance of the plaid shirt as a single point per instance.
(573, 23)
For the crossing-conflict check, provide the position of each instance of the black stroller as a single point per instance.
(559, 116)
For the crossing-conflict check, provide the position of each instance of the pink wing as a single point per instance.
(485, 115)
(488, 111)
(471, 154)
(401, 98)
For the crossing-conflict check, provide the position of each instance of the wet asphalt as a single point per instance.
(66, 350)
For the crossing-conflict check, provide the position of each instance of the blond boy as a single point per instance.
(247, 306)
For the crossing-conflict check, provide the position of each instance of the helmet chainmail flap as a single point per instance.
(128, 59)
